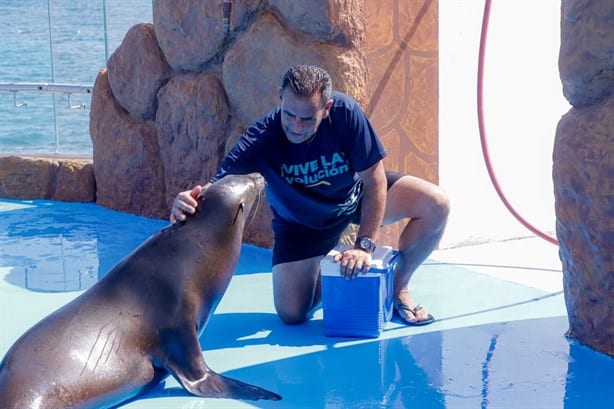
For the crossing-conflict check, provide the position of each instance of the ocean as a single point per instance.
(72, 35)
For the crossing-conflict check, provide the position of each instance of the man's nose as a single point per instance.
(297, 124)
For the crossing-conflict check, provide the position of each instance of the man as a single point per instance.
(323, 165)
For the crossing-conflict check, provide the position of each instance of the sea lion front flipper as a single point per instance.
(185, 362)
(214, 385)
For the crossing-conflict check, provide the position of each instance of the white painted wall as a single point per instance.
(524, 102)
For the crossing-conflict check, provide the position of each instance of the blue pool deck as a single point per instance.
(498, 341)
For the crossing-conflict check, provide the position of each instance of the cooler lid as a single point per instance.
(382, 258)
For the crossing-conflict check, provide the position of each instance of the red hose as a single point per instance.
(482, 127)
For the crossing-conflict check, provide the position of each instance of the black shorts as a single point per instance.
(299, 243)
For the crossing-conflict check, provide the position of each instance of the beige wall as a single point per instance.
(403, 62)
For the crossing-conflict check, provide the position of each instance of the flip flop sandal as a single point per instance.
(415, 322)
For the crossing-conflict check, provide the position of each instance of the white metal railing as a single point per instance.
(67, 89)
(53, 88)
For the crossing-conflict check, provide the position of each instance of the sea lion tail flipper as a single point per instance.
(213, 385)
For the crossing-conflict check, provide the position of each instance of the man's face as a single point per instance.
(301, 116)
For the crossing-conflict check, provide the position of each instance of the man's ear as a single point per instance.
(329, 104)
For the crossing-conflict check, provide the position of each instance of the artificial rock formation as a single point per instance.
(583, 171)
(137, 71)
(127, 164)
(190, 32)
(254, 65)
(191, 135)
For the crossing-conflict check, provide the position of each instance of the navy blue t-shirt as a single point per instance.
(312, 184)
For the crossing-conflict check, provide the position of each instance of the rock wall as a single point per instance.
(177, 93)
(30, 177)
(583, 171)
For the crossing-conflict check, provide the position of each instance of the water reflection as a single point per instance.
(55, 247)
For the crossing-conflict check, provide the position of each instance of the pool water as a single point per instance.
(498, 341)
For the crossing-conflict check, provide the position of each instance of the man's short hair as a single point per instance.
(307, 80)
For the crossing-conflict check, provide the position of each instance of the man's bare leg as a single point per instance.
(296, 289)
(427, 207)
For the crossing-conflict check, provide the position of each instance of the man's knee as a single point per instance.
(440, 209)
(291, 309)
(296, 289)
(291, 317)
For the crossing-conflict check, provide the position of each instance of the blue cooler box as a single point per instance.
(359, 307)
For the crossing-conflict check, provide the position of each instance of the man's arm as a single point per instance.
(373, 200)
(355, 261)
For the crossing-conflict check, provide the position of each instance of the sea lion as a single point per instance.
(142, 321)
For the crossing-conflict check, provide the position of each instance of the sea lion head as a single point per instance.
(231, 200)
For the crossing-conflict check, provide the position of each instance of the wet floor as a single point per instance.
(498, 341)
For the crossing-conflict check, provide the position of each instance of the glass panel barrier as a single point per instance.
(56, 42)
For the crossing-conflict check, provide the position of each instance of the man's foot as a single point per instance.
(416, 316)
